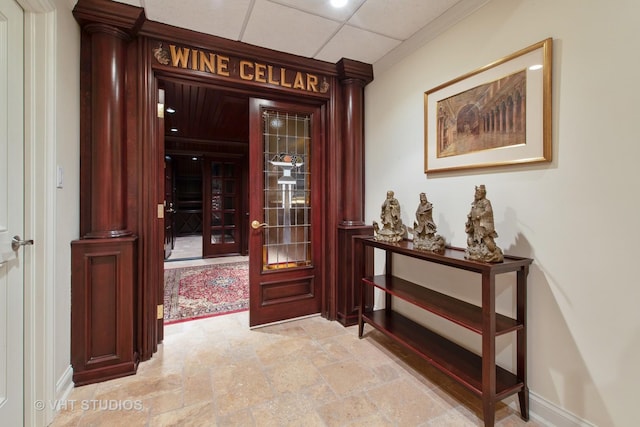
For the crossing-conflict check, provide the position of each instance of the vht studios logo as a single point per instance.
(90, 405)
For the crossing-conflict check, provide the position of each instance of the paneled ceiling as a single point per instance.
(377, 32)
(204, 114)
(363, 30)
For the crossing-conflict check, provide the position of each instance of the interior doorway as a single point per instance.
(205, 131)
(230, 155)
(205, 140)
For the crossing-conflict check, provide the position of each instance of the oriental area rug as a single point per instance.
(204, 291)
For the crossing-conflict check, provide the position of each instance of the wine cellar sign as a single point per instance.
(239, 68)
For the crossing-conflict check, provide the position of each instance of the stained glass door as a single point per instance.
(284, 211)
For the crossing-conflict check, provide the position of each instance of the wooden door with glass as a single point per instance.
(285, 211)
(222, 206)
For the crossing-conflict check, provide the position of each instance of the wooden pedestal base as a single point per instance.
(350, 273)
(103, 282)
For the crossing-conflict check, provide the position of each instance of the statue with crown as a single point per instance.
(480, 229)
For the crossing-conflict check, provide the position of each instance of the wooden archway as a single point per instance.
(117, 261)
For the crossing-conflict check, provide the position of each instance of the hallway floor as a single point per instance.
(306, 372)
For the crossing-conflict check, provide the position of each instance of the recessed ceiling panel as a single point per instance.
(324, 8)
(357, 44)
(217, 17)
(288, 30)
(364, 30)
(398, 19)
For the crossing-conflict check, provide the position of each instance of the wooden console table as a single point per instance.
(479, 373)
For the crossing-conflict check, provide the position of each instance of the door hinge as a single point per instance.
(160, 210)
(160, 312)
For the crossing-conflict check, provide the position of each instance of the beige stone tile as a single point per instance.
(405, 403)
(201, 414)
(292, 375)
(319, 328)
(138, 387)
(346, 411)
(285, 329)
(197, 387)
(365, 350)
(348, 377)
(308, 372)
(83, 392)
(66, 418)
(164, 402)
(204, 358)
(286, 410)
(386, 372)
(286, 349)
(97, 417)
(455, 417)
(373, 420)
(240, 385)
(237, 419)
(332, 352)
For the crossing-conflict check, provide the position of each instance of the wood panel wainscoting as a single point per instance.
(104, 307)
(126, 62)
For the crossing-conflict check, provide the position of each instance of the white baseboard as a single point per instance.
(549, 414)
(64, 385)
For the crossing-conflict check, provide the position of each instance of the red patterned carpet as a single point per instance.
(197, 292)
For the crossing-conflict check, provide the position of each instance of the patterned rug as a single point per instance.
(205, 291)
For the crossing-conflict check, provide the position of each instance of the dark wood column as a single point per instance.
(104, 276)
(354, 76)
(107, 132)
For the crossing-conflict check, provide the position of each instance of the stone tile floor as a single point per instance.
(305, 372)
(187, 247)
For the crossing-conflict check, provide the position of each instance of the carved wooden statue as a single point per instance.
(392, 229)
(424, 229)
(481, 233)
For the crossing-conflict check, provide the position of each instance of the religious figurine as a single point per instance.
(481, 233)
(392, 228)
(424, 229)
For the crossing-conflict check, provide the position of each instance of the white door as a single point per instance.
(11, 213)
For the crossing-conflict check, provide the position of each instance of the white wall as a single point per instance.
(67, 123)
(577, 216)
(52, 114)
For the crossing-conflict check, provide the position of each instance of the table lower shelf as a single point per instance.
(461, 364)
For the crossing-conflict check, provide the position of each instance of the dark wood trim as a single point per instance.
(351, 268)
(159, 31)
(356, 70)
(143, 146)
(120, 15)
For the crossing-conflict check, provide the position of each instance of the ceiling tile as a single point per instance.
(398, 19)
(288, 30)
(324, 8)
(364, 30)
(218, 17)
(357, 44)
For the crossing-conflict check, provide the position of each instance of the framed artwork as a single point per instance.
(497, 115)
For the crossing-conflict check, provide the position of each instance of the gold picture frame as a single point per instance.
(497, 115)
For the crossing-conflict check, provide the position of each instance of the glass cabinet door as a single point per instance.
(221, 233)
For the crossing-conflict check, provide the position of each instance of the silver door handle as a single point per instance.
(17, 242)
